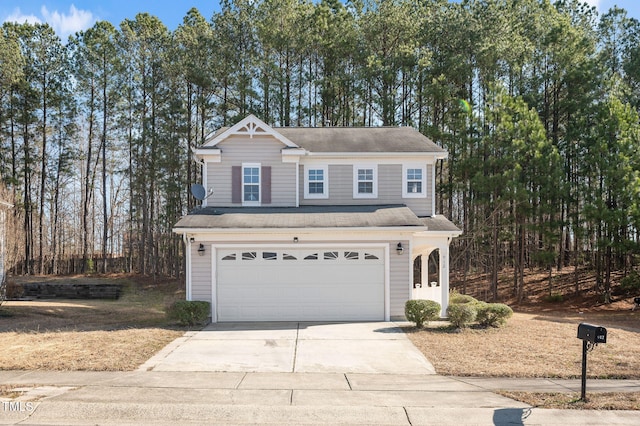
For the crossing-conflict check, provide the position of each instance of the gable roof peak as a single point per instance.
(250, 126)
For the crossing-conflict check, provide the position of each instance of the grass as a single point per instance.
(572, 401)
(531, 345)
(540, 341)
(91, 335)
(8, 392)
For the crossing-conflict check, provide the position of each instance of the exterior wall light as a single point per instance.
(399, 248)
(295, 239)
(201, 250)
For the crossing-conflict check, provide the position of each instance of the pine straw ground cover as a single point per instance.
(541, 345)
(95, 335)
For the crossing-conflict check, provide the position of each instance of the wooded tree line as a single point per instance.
(536, 102)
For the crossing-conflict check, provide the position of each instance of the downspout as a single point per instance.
(203, 171)
(187, 242)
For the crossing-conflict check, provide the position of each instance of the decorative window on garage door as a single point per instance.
(351, 255)
(270, 255)
(249, 255)
(330, 255)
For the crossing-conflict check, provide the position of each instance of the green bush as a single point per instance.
(630, 283)
(421, 311)
(188, 312)
(457, 298)
(554, 298)
(461, 314)
(492, 314)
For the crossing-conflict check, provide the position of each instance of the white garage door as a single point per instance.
(300, 285)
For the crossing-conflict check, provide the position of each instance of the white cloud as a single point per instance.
(20, 18)
(66, 24)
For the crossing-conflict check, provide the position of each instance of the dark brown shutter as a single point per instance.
(266, 184)
(236, 184)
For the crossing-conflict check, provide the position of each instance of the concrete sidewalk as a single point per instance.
(161, 397)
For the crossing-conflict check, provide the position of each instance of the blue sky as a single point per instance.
(69, 16)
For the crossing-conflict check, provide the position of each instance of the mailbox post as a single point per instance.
(590, 335)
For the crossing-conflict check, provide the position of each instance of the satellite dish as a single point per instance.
(198, 191)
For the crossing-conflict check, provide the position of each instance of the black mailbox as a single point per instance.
(592, 333)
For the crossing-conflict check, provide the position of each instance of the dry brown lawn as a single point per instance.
(572, 401)
(97, 335)
(531, 345)
(540, 341)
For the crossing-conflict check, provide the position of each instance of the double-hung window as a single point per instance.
(414, 181)
(251, 184)
(316, 182)
(365, 181)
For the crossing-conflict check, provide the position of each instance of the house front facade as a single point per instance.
(316, 224)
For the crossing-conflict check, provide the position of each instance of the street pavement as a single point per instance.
(271, 385)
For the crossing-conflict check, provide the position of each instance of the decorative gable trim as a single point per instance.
(250, 126)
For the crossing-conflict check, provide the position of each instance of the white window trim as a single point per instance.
(357, 167)
(259, 167)
(325, 181)
(405, 181)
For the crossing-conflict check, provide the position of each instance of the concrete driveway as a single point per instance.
(294, 347)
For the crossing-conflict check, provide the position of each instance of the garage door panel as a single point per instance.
(280, 284)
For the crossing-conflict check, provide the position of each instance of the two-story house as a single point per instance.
(315, 224)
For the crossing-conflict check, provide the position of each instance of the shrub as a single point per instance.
(554, 298)
(12, 290)
(461, 314)
(188, 312)
(457, 298)
(492, 314)
(630, 283)
(421, 311)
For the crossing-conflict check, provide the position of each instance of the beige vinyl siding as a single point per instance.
(389, 188)
(264, 150)
(201, 273)
(421, 206)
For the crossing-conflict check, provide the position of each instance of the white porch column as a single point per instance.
(444, 279)
(424, 275)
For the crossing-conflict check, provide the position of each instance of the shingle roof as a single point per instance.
(359, 139)
(439, 223)
(356, 139)
(301, 217)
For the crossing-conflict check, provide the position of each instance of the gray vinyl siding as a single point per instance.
(399, 270)
(399, 279)
(389, 188)
(267, 152)
(201, 273)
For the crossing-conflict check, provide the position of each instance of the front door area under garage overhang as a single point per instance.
(300, 284)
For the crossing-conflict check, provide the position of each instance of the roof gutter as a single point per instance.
(381, 229)
(438, 154)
